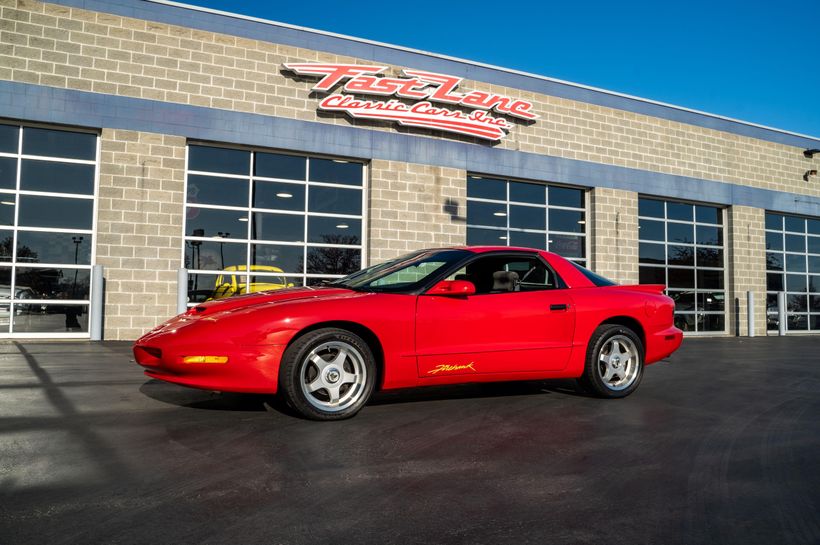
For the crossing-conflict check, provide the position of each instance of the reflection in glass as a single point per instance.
(335, 171)
(564, 196)
(289, 259)
(221, 160)
(56, 177)
(567, 220)
(774, 241)
(774, 261)
(678, 211)
(774, 282)
(50, 318)
(201, 287)
(814, 245)
(334, 230)
(527, 240)
(333, 260)
(680, 232)
(710, 257)
(487, 213)
(277, 165)
(650, 207)
(209, 222)
(681, 255)
(651, 230)
(685, 322)
(795, 263)
(6, 242)
(710, 235)
(652, 275)
(335, 200)
(712, 301)
(774, 221)
(60, 212)
(48, 247)
(684, 300)
(708, 214)
(278, 195)
(54, 283)
(529, 193)
(486, 188)
(523, 217)
(681, 278)
(567, 245)
(710, 280)
(8, 173)
(796, 243)
(66, 144)
(796, 282)
(796, 303)
(9, 139)
(273, 282)
(711, 322)
(215, 190)
(651, 253)
(214, 255)
(476, 236)
(813, 226)
(7, 209)
(281, 227)
(795, 224)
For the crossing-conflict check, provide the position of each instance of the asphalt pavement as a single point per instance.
(720, 445)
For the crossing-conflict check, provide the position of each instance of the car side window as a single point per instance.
(502, 274)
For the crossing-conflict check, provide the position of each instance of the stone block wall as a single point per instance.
(139, 228)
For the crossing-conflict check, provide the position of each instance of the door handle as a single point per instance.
(562, 306)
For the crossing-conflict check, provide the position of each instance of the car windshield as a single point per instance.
(403, 274)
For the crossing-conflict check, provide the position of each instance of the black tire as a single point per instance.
(598, 378)
(299, 373)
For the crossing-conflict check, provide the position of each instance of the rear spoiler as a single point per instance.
(646, 288)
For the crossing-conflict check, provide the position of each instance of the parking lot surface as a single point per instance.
(719, 445)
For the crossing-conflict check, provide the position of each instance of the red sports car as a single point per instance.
(440, 316)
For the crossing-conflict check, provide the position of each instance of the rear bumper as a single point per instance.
(249, 369)
(662, 343)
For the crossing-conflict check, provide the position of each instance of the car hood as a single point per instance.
(302, 294)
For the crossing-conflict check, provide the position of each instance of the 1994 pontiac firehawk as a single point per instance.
(441, 316)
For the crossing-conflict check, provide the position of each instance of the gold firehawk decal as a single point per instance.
(445, 367)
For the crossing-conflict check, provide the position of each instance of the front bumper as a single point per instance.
(249, 369)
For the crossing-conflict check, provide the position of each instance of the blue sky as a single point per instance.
(757, 61)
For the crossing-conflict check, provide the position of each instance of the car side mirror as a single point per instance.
(453, 288)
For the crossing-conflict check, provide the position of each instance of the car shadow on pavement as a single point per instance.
(192, 398)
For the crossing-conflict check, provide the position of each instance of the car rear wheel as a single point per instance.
(327, 374)
(614, 364)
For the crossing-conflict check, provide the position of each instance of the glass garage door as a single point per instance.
(47, 187)
(259, 220)
(530, 214)
(793, 266)
(681, 245)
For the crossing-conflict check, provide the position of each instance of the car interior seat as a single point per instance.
(504, 281)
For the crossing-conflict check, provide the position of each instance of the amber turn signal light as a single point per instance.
(205, 359)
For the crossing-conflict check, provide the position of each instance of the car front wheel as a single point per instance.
(327, 374)
(614, 363)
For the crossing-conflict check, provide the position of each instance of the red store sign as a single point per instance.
(425, 89)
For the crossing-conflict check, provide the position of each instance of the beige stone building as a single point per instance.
(148, 137)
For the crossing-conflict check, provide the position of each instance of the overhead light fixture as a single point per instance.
(284, 195)
(811, 152)
(809, 173)
(340, 161)
(502, 238)
(499, 214)
(342, 226)
(582, 222)
(243, 219)
(8, 203)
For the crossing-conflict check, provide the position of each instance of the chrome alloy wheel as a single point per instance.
(333, 376)
(618, 362)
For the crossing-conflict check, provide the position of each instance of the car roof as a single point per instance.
(485, 249)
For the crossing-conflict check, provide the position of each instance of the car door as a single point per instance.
(526, 329)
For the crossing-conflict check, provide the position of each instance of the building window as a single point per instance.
(681, 246)
(47, 187)
(258, 220)
(793, 266)
(513, 213)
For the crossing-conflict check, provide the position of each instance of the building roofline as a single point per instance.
(479, 64)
